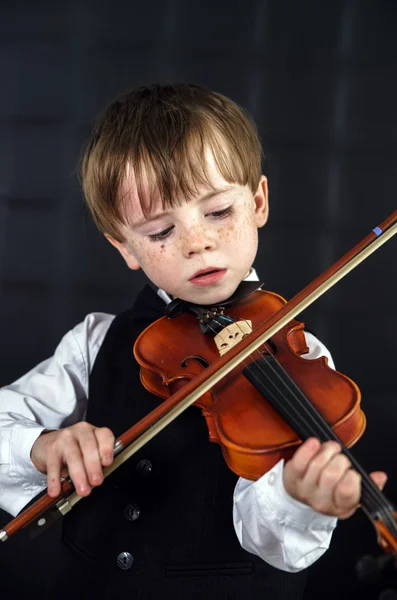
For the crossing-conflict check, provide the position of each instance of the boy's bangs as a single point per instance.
(176, 178)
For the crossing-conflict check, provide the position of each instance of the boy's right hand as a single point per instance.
(79, 451)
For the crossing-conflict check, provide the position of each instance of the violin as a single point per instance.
(241, 364)
(262, 410)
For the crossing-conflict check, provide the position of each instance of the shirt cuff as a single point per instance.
(271, 494)
(22, 469)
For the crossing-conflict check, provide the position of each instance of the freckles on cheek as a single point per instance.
(228, 233)
(234, 233)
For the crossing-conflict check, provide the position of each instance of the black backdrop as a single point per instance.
(320, 80)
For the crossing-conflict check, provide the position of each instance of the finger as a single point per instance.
(380, 478)
(318, 463)
(90, 454)
(318, 490)
(105, 440)
(77, 471)
(54, 466)
(347, 493)
(333, 472)
(299, 462)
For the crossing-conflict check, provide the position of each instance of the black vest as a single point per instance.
(170, 505)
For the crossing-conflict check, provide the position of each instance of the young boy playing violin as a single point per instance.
(172, 177)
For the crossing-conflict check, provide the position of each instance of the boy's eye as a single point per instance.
(156, 237)
(220, 214)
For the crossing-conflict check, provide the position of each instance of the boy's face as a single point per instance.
(201, 249)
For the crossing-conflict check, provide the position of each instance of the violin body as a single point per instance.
(252, 434)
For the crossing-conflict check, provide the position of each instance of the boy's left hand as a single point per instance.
(320, 476)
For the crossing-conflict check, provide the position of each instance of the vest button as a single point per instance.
(125, 560)
(144, 467)
(132, 512)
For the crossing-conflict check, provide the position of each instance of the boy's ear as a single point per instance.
(261, 202)
(125, 252)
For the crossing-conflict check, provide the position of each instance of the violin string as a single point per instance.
(374, 496)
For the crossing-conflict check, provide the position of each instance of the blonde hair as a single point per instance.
(163, 133)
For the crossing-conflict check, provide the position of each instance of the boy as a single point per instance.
(172, 177)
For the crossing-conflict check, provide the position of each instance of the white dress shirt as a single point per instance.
(268, 522)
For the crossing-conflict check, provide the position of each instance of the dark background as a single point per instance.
(320, 80)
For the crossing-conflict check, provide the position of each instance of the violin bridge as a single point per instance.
(231, 335)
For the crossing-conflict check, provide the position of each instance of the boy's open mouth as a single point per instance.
(208, 276)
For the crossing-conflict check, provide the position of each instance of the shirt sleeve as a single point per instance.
(50, 396)
(271, 524)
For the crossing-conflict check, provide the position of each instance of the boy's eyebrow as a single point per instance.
(206, 196)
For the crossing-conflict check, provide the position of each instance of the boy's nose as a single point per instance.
(196, 244)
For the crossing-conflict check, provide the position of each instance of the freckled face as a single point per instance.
(202, 249)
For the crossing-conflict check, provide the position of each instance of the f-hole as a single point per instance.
(203, 362)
